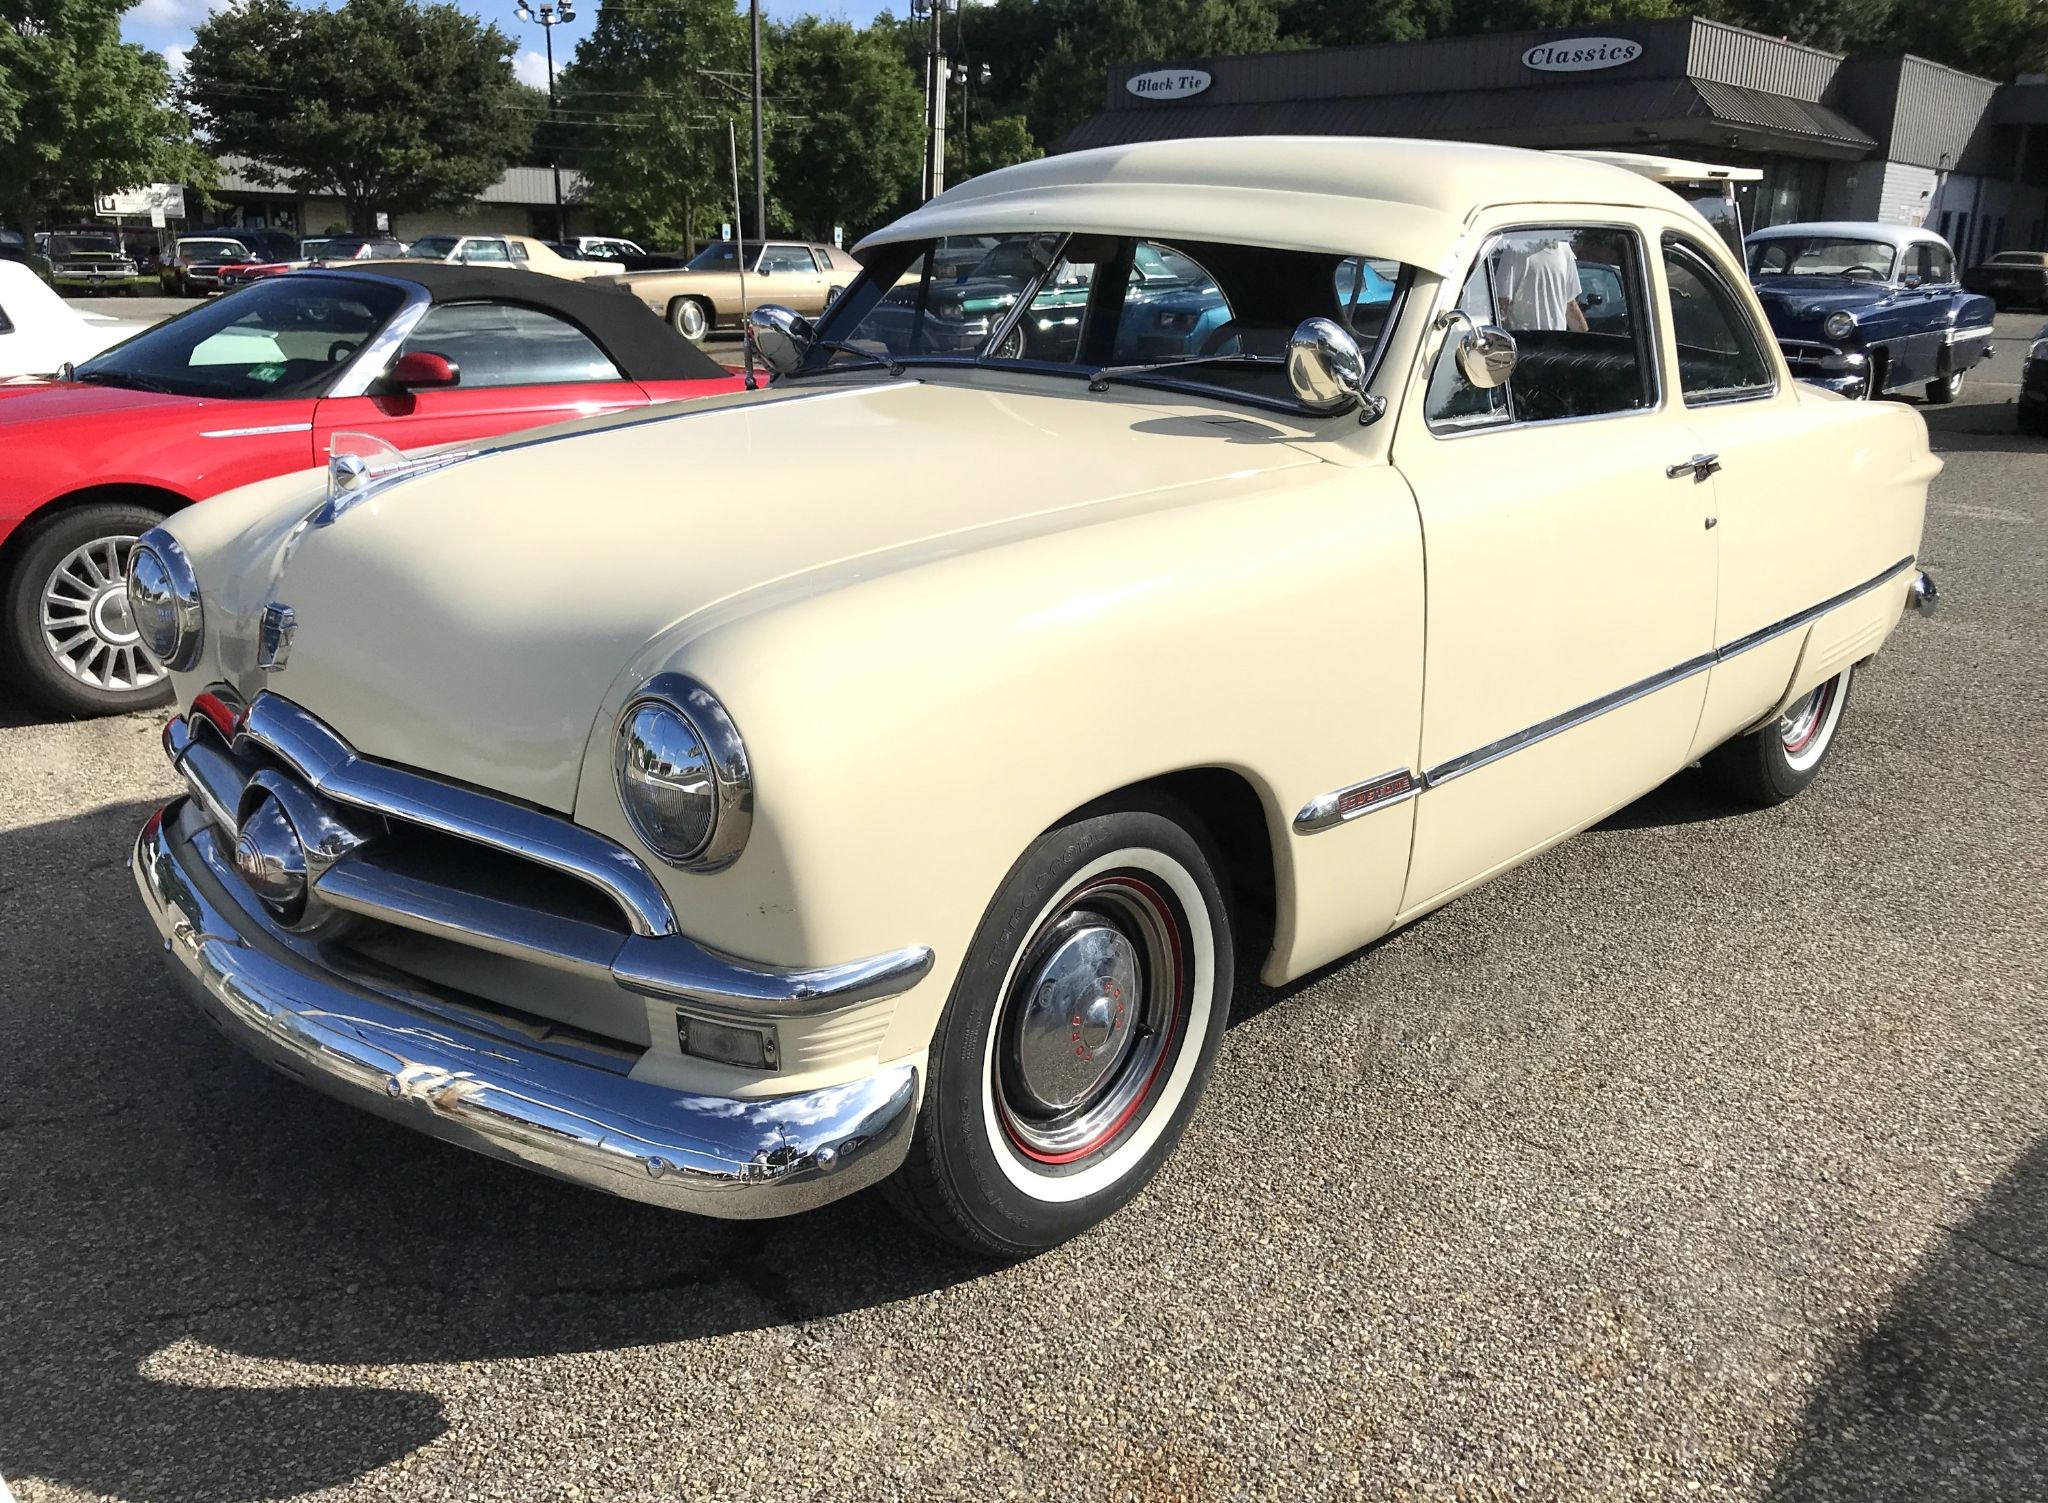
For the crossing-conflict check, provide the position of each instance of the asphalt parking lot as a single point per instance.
(1706, 1156)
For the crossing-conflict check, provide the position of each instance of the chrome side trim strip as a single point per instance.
(327, 762)
(1543, 730)
(256, 432)
(1470, 761)
(706, 982)
(1339, 806)
(1980, 331)
(1798, 619)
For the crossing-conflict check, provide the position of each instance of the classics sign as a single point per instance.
(1168, 83)
(1581, 54)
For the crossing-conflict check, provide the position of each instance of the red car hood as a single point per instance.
(73, 401)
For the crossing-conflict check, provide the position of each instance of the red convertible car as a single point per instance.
(257, 383)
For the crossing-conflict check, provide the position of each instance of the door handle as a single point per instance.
(1700, 466)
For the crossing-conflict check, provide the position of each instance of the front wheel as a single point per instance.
(1946, 390)
(1771, 765)
(67, 635)
(1078, 1037)
(689, 318)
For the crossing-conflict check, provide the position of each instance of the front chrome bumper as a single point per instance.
(392, 1053)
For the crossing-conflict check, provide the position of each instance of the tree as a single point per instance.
(989, 145)
(384, 104)
(647, 106)
(846, 126)
(81, 111)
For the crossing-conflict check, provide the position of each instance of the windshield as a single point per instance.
(286, 337)
(82, 245)
(1821, 256)
(1076, 304)
(213, 250)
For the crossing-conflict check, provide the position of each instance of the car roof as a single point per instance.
(1365, 195)
(643, 346)
(1898, 236)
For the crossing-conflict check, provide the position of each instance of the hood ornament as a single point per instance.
(361, 464)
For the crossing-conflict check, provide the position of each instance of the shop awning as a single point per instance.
(1696, 110)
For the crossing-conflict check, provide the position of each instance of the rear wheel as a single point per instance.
(1771, 765)
(1946, 390)
(1078, 1037)
(69, 640)
(689, 317)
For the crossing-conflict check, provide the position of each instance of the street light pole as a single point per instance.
(934, 92)
(548, 17)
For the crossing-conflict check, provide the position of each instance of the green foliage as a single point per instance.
(649, 101)
(845, 127)
(385, 104)
(81, 111)
(989, 144)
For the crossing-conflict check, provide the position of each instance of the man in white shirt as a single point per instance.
(1536, 280)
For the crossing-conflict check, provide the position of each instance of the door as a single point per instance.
(1570, 573)
(787, 275)
(519, 368)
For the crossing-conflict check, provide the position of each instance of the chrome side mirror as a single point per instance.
(1325, 366)
(782, 336)
(1486, 355)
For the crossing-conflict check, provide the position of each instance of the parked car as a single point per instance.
(2033, 403)
(626, 254)
(705, 295)
(331, 251)
(197, 266)
(259, 382)
(40, 332)
(906, 820)
(520, 251)
(89, 260)
(2012, 279)
(1865, 309)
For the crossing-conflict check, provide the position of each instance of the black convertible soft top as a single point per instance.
(642, 346)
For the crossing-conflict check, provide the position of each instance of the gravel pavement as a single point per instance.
(1704, 1157)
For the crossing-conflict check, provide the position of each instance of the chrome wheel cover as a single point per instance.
(86, 625)
(1808, 724)
(1090, 1019)
(689, 320)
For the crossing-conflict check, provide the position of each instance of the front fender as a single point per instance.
(911, 733)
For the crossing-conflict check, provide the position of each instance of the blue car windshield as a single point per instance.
(1821, 256)
(1081, 302)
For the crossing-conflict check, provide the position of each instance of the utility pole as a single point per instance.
(934, 92)
(760, 153)
(548, 18)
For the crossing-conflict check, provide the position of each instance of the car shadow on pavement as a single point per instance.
(1943, 1399)
(217, 1279)
(1983, 427)
(1686, 798)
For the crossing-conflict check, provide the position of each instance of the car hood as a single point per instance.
(469, 620)
(77, 401)
(1823, 295)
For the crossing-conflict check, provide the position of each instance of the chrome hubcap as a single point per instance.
(87, 626)
(1797, 725)
(1089, 1021)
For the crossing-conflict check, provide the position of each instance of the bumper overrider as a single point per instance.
(435, 1062)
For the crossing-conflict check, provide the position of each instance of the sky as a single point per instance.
(166, 25)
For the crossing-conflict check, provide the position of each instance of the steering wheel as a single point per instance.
(1860, 270)
(341, 349)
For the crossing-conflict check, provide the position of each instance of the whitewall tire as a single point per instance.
(1777, 761)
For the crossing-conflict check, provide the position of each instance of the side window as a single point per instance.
(1052, 326)
(1172, 311)
(483, 250)
(1935, 263)
(518, 250)
(1720, 357)
(505, 344)
(1572, 298)
(1365, 288)
(779, 259)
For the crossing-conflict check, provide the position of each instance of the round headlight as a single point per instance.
(163, 597)
(1838, 325)
(683, 776)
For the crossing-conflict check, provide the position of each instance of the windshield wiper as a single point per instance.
(840, 347)
(1099, 381)
(122, 378)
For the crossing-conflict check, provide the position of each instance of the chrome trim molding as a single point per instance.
(739, 1158)
(1340, 806)
(654, 960)
(274, 636)
(1470, 761)
(258, 432)
(332, 767)
(1979, 331)
(731, 778)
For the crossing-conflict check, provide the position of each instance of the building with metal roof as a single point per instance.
(1893, 139)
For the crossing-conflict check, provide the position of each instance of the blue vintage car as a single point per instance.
(1865, 309)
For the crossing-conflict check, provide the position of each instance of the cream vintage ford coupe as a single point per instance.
(882, 776)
